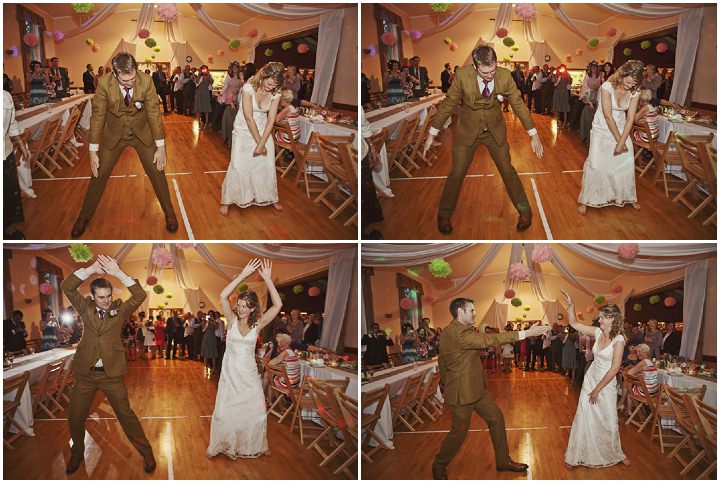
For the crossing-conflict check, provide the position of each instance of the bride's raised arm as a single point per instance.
(252, 265)
(272, 312)
(572, 318)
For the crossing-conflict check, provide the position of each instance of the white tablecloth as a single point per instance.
(327, 373)
(666, 126)
(690, 381)
(384, 428)
(36, 122)
(35, 364)
(307, 127)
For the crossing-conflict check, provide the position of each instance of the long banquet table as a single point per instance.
(667, 125)
(35, 364)
(326, 372)
(683, 380)
(34, 118)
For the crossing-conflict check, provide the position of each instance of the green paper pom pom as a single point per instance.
(243, 287)
(627, 52)
(515, 48)
(645, 44)
(268, 52)
(161, 306)
(82, 7)
(654, 299)
(506, 58)
(527, 308)
(599, 299)
(298, 289)
(234, 43)
(508, 42)
(447, 40)
(158, 289)
(152, 57)
(510, 55)
(80, 252)
(637, 307)
(440, 7)
(156, 49)
(593, 42)
(518, 318)
(516, 302)
(150, 42)
(287, 45)
(439, 268)
(282, 296)
(89, 41)
(169, 295)
(148, 60)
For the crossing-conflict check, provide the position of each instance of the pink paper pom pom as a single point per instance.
(95, 47)
(525, 11)
(167, 11)
(578, 51)
(628, 251)
(46, 288)
(162, 258)
(58, 36)
(670, 301)
(661, 48)
(589, 309)
(152, 280)
(415, 35)
(30, 39)
(303, 48)
(611, 32)
(518, 271)
(453, 47)
(144, 33)
(220, 52)
(580, 315)
(313, 291)
(388, 38)
(183, 246)
(252, 33)
(542, 253)
(509, 294)
(568, 58)
(502, 33)
(617, 288)
(406, 303)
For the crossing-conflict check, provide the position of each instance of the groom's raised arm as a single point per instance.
(469, 339)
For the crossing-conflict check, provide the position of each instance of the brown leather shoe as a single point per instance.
(513, 466)
(79, 227)
(524, 221)
(439, 472)
(171, 223)
(149, 465)
(73, 464)
(444, 225)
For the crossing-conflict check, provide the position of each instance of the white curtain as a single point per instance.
(210, 260)
(531, 31)
(329, 35)
(146, 18)
(173, 32)
(252, 49)
(667, 257)
(182, 275)
(503, 19)
(515, 257)
(567, 21)
(475, 274)
(280, 10)
(496, 315)
(688, 37)
(450, 21)
(552, 309)
(106, 10)
(647, 10)
(407, 254)
(205, 19)
(610, 51)
(343, 267)
(693, 303)
(122, 46)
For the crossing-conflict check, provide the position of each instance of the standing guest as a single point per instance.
(128, 337)
(652, 80)
(313, 329)
(556, 348)
(49, 328)
(607, 71)
(508, 353)
(59, 75)
(220, 337)
(561, 96)
(671, 340)
(408, 341)
(548, 89)
(519, 77)
(535, 97)
(517, 345)
(292, 80)
(394, 84)
(88, 80)
(229, 93)
(369, 205)
(188, 91)
(160, 81)
(455, 69)
(636, 336)
(430, 336)
(198, 334)
(174, 332)
(139, 335)
(160, 335)
(98, 76)
(295, 326)
(419, 78)
(546, 357)
(591, 84)
(189, 336)
(531, 353)
(445, 78)
(209, 350)
(12, 200)
(38, 82)
(14, 333)
(569, 354)
(653, 339)
(203, 96)
(177, 103)
(376, 343)
(588, 341)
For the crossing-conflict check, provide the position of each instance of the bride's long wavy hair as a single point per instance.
(251, 300)
(613, 311)
(631, 68)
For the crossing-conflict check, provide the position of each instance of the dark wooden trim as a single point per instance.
(345, 107)
(706, 107)
(403, 281)
(8, 305)
(23, 12)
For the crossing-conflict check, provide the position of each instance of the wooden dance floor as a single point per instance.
(197, 163)
(539, 408)
(485, 211)
(174, 402)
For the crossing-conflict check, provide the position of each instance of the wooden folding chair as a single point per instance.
(370, 418)
(15, 384)
(683, 409)
(278, 392)
(63, 148)
(428, 402)
(349, 428)
(40, 150)
(308, 162)
(651, 146)
(696, 166)
(46, 393)
(377, 140)
(281, 131)
(397, 148)
(706, 425)
(645, 401)
(79, 130)
(420, 138)
(711, 154)
(663, 409)
(403, 404)
(303, 400)
(65, 383)
(342, 190)
(329, 412)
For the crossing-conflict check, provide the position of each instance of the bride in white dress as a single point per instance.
(595, 436)
(609, 179)
(239, 422)
(250, 178)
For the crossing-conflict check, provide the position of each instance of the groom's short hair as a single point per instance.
(124, 63)
(99, 283)
(484, 55)
(457, 304)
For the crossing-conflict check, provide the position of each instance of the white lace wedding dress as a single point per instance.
(239, 422)
(595, 437)
(250, 180)
(608, 179)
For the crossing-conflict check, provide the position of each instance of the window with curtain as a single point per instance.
(31, 23)
(389, 22)
(412, 290)
(51, 274)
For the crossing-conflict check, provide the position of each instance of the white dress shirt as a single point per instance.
(10, 125)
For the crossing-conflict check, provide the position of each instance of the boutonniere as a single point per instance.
(138, 105)
(114, 312)
(501, 97)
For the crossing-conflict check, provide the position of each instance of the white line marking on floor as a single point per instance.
(176, 174)
(441, 177)
(214, 172)
(473, 430)
(85, 177)
(171, 471)
(532, 174)
(164, 417)
(186, 221)
(206, 416)
(548, 234)
(573, 171)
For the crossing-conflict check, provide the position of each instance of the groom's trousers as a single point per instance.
(486, 408)
(108, 160)
(462, 159)
(81, 399)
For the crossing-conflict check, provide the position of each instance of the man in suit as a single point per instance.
(188, 91)
(445, 78)
(160, 81)
(173, 332)
(419, 78)
(125, 112)
(464, 388)
(313, 329)
(60, 76)
(88, 80)
(14, 333)
(481, 122)
(99, 363)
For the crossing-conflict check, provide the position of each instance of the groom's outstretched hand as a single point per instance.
(537, 146)
(537, 330)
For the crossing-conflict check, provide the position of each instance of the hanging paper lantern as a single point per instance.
(89, 41)
(156, 49)
(617, 288)
(645, 44)
(162, 258)
(580, 315)
(429, 299)
(516, 302)
(593, 42)
(80, 252)
(243, 287)
(654, 299)
(82, 7)
(526, 11)
(149, 60)
(406, 303)
(506, 58)
(670, 301)
(447, 40)
(627, 52)
(511, 56)
(150, 42)
(298, 289)
(514, 48)
(453, 47)
(46, 288)
(220, 52)
(95, 47)
(30, 39)
(167, 11)
(611, 32)
(169, 295)
(388, 38)
(509, 293)
(144, 33)
(508, 42)
(234, 44)
(58, 36)
(287, 45)
(661, 48)
(628, 251)
(542, 253)
(599, 299)
(252, 33)
(439, 268)
(518, 271)
(415, 35)
(313, 291)
(527, 308)
(305, 48)
(637, 307)
(158, 289)
(589, 309)
(578, 51)
(440, 7)
(268, 52)
(151, 280)
(502, 33)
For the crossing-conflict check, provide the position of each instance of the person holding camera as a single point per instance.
(393, 81)
(376, 342)
(408, 341)
(203, 96)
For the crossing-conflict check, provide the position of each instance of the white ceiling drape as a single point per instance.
(402, 254)
(666, 257)
(146, 18)
(290, 254)
(647, 10)
(122, 46)
(503, 19)
(106, 10)
(475, 274)
(280, 10)
(450, 21)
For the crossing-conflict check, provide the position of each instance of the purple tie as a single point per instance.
(486, 90)
(128, 98)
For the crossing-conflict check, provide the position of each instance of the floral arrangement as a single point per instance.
(628, 251)
(447, 40)
(234, 44)
(518, 271)
(150, 42)
(627, 52)
(58, 36)
(617, 288)
(313, 291)
(439, 268)
(645, 44)
(406, 303)
(158, 289)
(542, 253)
(152, 280)
(167, 11)
(637, 307)
(440, 7)
(654, 299)
(526, 11)
(80, 252)
(287, 45)
(305, 48)
(298, 289)
(502, 33)
(268, 52)
(162, 258)
(415, 35)
(611, 32)
(388, 38)
(144, 33)
(252, 33)
(661, 48)
(46, 288)
(593, 42)
(516, 302)
(509, 293)
(670, 301)
(508, 42)
(82, 7)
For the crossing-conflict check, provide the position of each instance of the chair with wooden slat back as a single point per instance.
(303, 401)
(16, 384)
(669, 157)
(349, 428)
(683, 410)
(309, 161)
(64, 134)
(663, 409)
(428, 403)
(377, 140)
(397, 156)
(329, 412)
(40, 149)
(652, 145)
(405, 401)
(706, 424)
(278, 392)
(66, 380)
(644, 400)
(711, 156)
(340, 177)
(46, 400)
(349, 158)
(370, 418)
(697, 167)
(420, 137)
(70, 146)
(79, 130)
(37, 389)
(281, 132)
